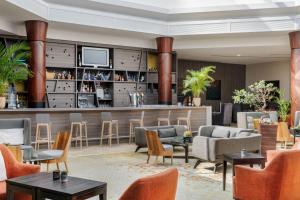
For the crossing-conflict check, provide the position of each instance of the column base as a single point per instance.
(165, 102)
(36, 105)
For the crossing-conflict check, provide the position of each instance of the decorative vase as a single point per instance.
(2, 102)
(197, 101)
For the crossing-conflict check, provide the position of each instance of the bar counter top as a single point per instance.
(145, 107)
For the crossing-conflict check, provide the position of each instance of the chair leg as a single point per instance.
(110, 133)
(158, 123)
(86, 137)
(137, 148)
(36, 137)
(164, 159)
(71, 132)
(102, 133)
(57, 165)
(178, 122)
(197, 163)
(80, 136)
(47, 167)
(216, 166)
(117, 131)
(130, 132)
(66, 166)
(169, 122)
(172, 159)
(148, 158)
(48, 136)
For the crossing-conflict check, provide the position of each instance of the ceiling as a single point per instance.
(229, 31)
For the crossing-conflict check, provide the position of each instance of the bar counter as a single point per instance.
(60, 117)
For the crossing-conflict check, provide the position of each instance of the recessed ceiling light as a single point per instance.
(238, 55)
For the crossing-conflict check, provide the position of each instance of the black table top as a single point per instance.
(247, 156)
(45, 181)
(178, 140)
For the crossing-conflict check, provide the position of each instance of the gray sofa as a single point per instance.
(214, 141)
(24, 123)
(140, 138)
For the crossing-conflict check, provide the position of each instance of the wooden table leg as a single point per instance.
(186, 149)
(9, 193)
(224, 174)
(102, 196)
(262, 165)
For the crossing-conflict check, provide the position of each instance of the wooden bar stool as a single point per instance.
(186, 119)
(164, 119)
(107, 119)
(135, 123)
(77, 123)
(42, 121)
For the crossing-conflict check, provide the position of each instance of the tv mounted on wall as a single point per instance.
(95, 57)
(214, 91)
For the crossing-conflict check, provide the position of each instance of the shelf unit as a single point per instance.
(66, 77)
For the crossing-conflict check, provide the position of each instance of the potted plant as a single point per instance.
(197, 81)
(257, 96)
(283, 134)
(13, 67)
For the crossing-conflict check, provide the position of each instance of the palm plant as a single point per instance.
(197, 81)
(283, 106)
(13, 68)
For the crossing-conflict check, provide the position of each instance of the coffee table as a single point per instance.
(237, 159)
(179, 141)
(41, 186)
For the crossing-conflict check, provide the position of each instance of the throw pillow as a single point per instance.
(243, 134)
(13, 136)
(219, 132)
(3, 175)
(167, 132)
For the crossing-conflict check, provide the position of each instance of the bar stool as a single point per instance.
(133, 122)
(186, 119)
(42, 121)
(107, 119)
(77, 122)
(164, 119)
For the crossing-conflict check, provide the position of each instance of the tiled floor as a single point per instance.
(119, 166)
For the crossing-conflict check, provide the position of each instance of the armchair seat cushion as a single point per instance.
(168, 147)
(53, 153)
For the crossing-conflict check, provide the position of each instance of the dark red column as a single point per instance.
(295, 72)
(36, 35)
(164, 48)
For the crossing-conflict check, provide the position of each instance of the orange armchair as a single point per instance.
(161, 186)
(280, 180)
(15, 169)
(272, 153)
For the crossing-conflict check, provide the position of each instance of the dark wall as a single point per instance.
(232, 77)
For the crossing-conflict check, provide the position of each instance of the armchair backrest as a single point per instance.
(284, 166)
(226, 110)
(62, 142)
(297, 118)
(161, 186)
(153, 142)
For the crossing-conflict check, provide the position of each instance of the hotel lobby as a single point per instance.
(149, 99)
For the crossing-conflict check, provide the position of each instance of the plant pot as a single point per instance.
(197, 101)
(2, 102)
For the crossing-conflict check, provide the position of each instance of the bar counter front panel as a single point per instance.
(60, 117)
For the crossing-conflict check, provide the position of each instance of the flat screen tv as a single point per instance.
(214, 91)
(96, 57)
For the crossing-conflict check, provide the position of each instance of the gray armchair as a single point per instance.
(24, 123)
(140, 138)
(213, 142)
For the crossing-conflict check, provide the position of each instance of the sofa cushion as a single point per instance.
(3, 175)
(52, 153)
(167, 132)
(243, 134)
(220, 132)
(166, 140)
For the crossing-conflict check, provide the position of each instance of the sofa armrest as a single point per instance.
(220, 146)
(205, 131)
(20, 169)
(140, 137)
(200, 147)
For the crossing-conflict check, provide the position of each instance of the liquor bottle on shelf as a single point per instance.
(18, 102)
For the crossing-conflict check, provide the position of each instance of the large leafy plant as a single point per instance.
(13, 67)
(197, 81)
(283, 106)
(258, 95)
